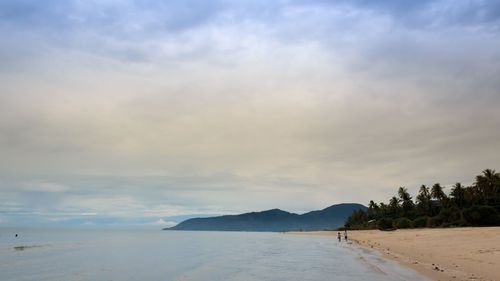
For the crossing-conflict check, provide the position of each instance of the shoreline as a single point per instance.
(444, 254)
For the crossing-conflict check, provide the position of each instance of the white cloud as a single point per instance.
(165, 223)
(43, 186)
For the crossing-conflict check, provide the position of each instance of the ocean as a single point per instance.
(144, 255)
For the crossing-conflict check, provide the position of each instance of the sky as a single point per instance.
(121, 112)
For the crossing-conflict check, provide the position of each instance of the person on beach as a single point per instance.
(338, 236)
(345, 235)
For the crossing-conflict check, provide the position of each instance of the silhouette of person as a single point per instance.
(345, 235)
(338, 236)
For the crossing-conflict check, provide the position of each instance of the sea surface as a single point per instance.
(143, 255)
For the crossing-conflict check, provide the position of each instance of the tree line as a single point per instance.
(475, 205)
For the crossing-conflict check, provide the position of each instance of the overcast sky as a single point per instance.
(135, 112)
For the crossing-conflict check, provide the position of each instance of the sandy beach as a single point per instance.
(440, 254)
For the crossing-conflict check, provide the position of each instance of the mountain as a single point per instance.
(274, 220)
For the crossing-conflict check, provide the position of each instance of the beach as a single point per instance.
(440, 254)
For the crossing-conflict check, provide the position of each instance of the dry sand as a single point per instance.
(440, 254)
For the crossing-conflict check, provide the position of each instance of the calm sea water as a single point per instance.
(164, 255)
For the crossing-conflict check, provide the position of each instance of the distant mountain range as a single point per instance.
(274, 220)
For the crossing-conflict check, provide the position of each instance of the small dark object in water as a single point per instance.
(26, 247)
(16, 234)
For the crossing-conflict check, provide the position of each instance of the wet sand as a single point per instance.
(440, 254)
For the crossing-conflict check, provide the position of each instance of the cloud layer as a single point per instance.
(118, 112)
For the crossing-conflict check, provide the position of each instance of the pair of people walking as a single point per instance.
(340, 237)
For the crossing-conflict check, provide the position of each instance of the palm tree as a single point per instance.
(424, 202)
(394, 206)
(488, 184)
(383, 209)
(406, 201)
(373, 210)
(403, 194)
(438, 194)
(472, 195)
(458, 195)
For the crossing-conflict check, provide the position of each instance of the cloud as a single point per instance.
(42, 186)
(432, 14)
(164, 223)
(128, 111)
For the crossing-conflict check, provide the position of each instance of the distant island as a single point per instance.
(474, 205)
(274, 220)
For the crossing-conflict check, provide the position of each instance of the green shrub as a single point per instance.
(385, 223)
(482, 215)
(461, 222)
(434, 221)
(403, 223)
(450, 215)
(420, 222)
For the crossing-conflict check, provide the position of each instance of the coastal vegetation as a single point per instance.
(474, 205)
